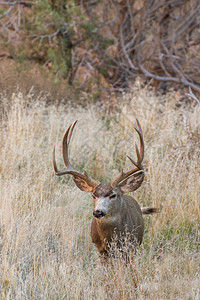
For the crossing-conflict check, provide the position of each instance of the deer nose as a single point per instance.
(98, 213)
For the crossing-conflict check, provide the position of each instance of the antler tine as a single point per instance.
(133, 162)
(66, 139)
(141, 140)
(70, 170)
(65, 144)
(138, 164)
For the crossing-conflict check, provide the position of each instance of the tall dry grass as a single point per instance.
(46, 250)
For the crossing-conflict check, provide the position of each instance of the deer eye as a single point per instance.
(112, 196)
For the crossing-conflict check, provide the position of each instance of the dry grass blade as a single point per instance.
(46, 250)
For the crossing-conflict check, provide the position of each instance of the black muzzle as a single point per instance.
(98, 213)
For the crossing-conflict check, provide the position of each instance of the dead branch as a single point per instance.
(192, 95)
(152, 39)
(23, 3)
(183, 81)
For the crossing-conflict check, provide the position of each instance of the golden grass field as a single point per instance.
(45, 245)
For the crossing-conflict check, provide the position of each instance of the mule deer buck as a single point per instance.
(115, 214)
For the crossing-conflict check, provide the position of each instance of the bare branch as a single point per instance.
(186, 23)
(23, 3)
(191, 95)
(168, 79)
(131, 65)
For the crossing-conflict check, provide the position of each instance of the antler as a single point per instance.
(138, 165)
(70, 170)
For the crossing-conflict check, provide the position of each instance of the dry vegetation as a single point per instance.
(107, 43)
(46, 250)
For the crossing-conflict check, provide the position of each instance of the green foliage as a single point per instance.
(187, 233)
(58, 61)
(51, 29)
(2, 12)
(181, 236)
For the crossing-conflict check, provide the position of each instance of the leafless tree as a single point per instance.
(150, 39)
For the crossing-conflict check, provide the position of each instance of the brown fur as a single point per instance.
(103, 190)
(115, 215)
(126, 219)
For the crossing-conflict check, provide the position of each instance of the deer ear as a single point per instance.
(132, 183)
(82, 184)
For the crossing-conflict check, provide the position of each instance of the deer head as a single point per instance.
(107, 196)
